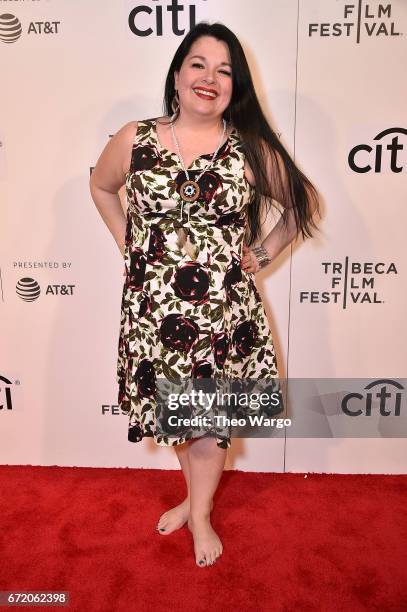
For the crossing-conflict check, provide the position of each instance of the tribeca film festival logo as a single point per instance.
(359, 20)
(161, 17)
(361, 404)
(11, 28)
(351, 282)
(367, 158)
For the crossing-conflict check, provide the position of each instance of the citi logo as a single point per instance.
(157, 20)
(29, 290)
(367, 158)
(5, 393)
(388, 393)
(358, 20)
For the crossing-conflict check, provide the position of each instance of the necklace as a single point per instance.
(190, 189)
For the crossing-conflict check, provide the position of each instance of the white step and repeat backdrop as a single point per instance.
(330, 75)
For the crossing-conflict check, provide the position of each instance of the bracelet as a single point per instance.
(262, 255)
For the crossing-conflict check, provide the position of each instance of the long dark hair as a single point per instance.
(277, 176)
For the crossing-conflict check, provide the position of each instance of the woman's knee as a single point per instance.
(203, 446)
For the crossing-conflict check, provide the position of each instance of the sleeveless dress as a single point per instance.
(181, 317)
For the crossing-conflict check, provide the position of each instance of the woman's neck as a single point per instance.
(198, 125)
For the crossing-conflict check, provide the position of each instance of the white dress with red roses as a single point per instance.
(180, 317)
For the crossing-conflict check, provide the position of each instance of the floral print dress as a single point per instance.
(181, 317)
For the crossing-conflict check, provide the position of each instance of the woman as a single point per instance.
(197, 180)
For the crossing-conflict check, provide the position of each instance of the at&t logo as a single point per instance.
(29, 289)
(11, 28)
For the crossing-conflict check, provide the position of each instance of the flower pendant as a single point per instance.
(190, 191)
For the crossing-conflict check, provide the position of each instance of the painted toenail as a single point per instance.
(161, 529)
(201, 561)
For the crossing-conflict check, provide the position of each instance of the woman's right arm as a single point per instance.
(108, 176)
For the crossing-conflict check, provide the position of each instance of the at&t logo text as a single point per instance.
(28, 289)
(11, 28)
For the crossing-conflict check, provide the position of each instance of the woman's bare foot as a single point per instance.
(174, 518)
(207, 545)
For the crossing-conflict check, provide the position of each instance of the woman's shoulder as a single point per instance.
(131, 131)
(132, 126)
(129, 135)
(127, 132)
(125, 137)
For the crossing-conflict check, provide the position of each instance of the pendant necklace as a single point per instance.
(190, 192)
(190, 189)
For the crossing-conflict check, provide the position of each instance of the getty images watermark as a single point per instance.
(220, 407)
(255, 405)
(277, 407)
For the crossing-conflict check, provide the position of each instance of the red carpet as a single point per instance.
(325, 542)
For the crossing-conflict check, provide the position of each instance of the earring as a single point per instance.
(176, 100)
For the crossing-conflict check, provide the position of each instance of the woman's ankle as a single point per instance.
(200, 516)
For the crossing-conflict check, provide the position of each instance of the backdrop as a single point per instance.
(329, 77)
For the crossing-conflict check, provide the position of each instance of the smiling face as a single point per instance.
(204, 82)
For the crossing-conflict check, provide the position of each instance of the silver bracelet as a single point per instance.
(262, 255)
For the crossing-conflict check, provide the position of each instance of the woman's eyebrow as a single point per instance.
(203, 58)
